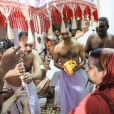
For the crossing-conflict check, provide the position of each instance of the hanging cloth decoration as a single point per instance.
(28, 16)
(7, 13)
(92, 19)
(74, 24)
(30, 35)
(82, 7)
(9, 31)
(50, 30)
(60, 9)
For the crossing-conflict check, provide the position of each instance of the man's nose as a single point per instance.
(28, 48)
(65, 36)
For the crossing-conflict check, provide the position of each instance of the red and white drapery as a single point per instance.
(20, 14)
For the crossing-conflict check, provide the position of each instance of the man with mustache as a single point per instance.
(71, 84)
(31, 63)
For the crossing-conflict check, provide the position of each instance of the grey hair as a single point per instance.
(85, 19)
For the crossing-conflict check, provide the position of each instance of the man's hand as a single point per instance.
(75, 69)
(19, 92)
(19, 69)
(27, 78)
(25, 102)
(10, 58)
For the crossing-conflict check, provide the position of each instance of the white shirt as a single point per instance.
(40, 46)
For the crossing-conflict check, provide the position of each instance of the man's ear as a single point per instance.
(107, 27)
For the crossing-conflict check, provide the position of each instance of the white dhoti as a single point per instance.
(42, 100)
(33, 102)
(51, 72)
(53, 75)
(39, 87)
(57, 96)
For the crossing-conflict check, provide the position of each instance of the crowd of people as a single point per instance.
(77, 72)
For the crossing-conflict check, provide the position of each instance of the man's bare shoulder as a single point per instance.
(58, 46)
(77, 43)
(111, 36)
(91, 36)
(34, 52)
(11, 49)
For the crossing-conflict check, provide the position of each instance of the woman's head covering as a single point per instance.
(107, 62)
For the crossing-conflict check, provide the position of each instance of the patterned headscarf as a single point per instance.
(107, 61)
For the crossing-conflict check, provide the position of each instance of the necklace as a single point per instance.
(105, 42)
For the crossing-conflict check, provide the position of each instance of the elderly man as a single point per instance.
(40, 47)
(100, 71)
(71, 78)
(33, 71)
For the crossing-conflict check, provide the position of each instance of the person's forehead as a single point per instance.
(24, 38)
(66, 32)
(102, 23)
(92, 60)
(56, 31)
(87, 22)
(38, 38)
(29, 44)
(52, 39)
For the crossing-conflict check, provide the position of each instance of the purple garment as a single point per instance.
(71, 91)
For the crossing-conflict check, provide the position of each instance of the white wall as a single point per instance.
(106, 8)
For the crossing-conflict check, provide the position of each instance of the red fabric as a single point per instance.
(78, 12)
(56, 16)
(67, 12)
(17, 20)
(2, 20)
(107, 61)
(87, 11)
(94, 104)
(95, 14)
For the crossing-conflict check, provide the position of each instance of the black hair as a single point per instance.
(22, 33)
(57, 29)
(96, 54)
(104, 19)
